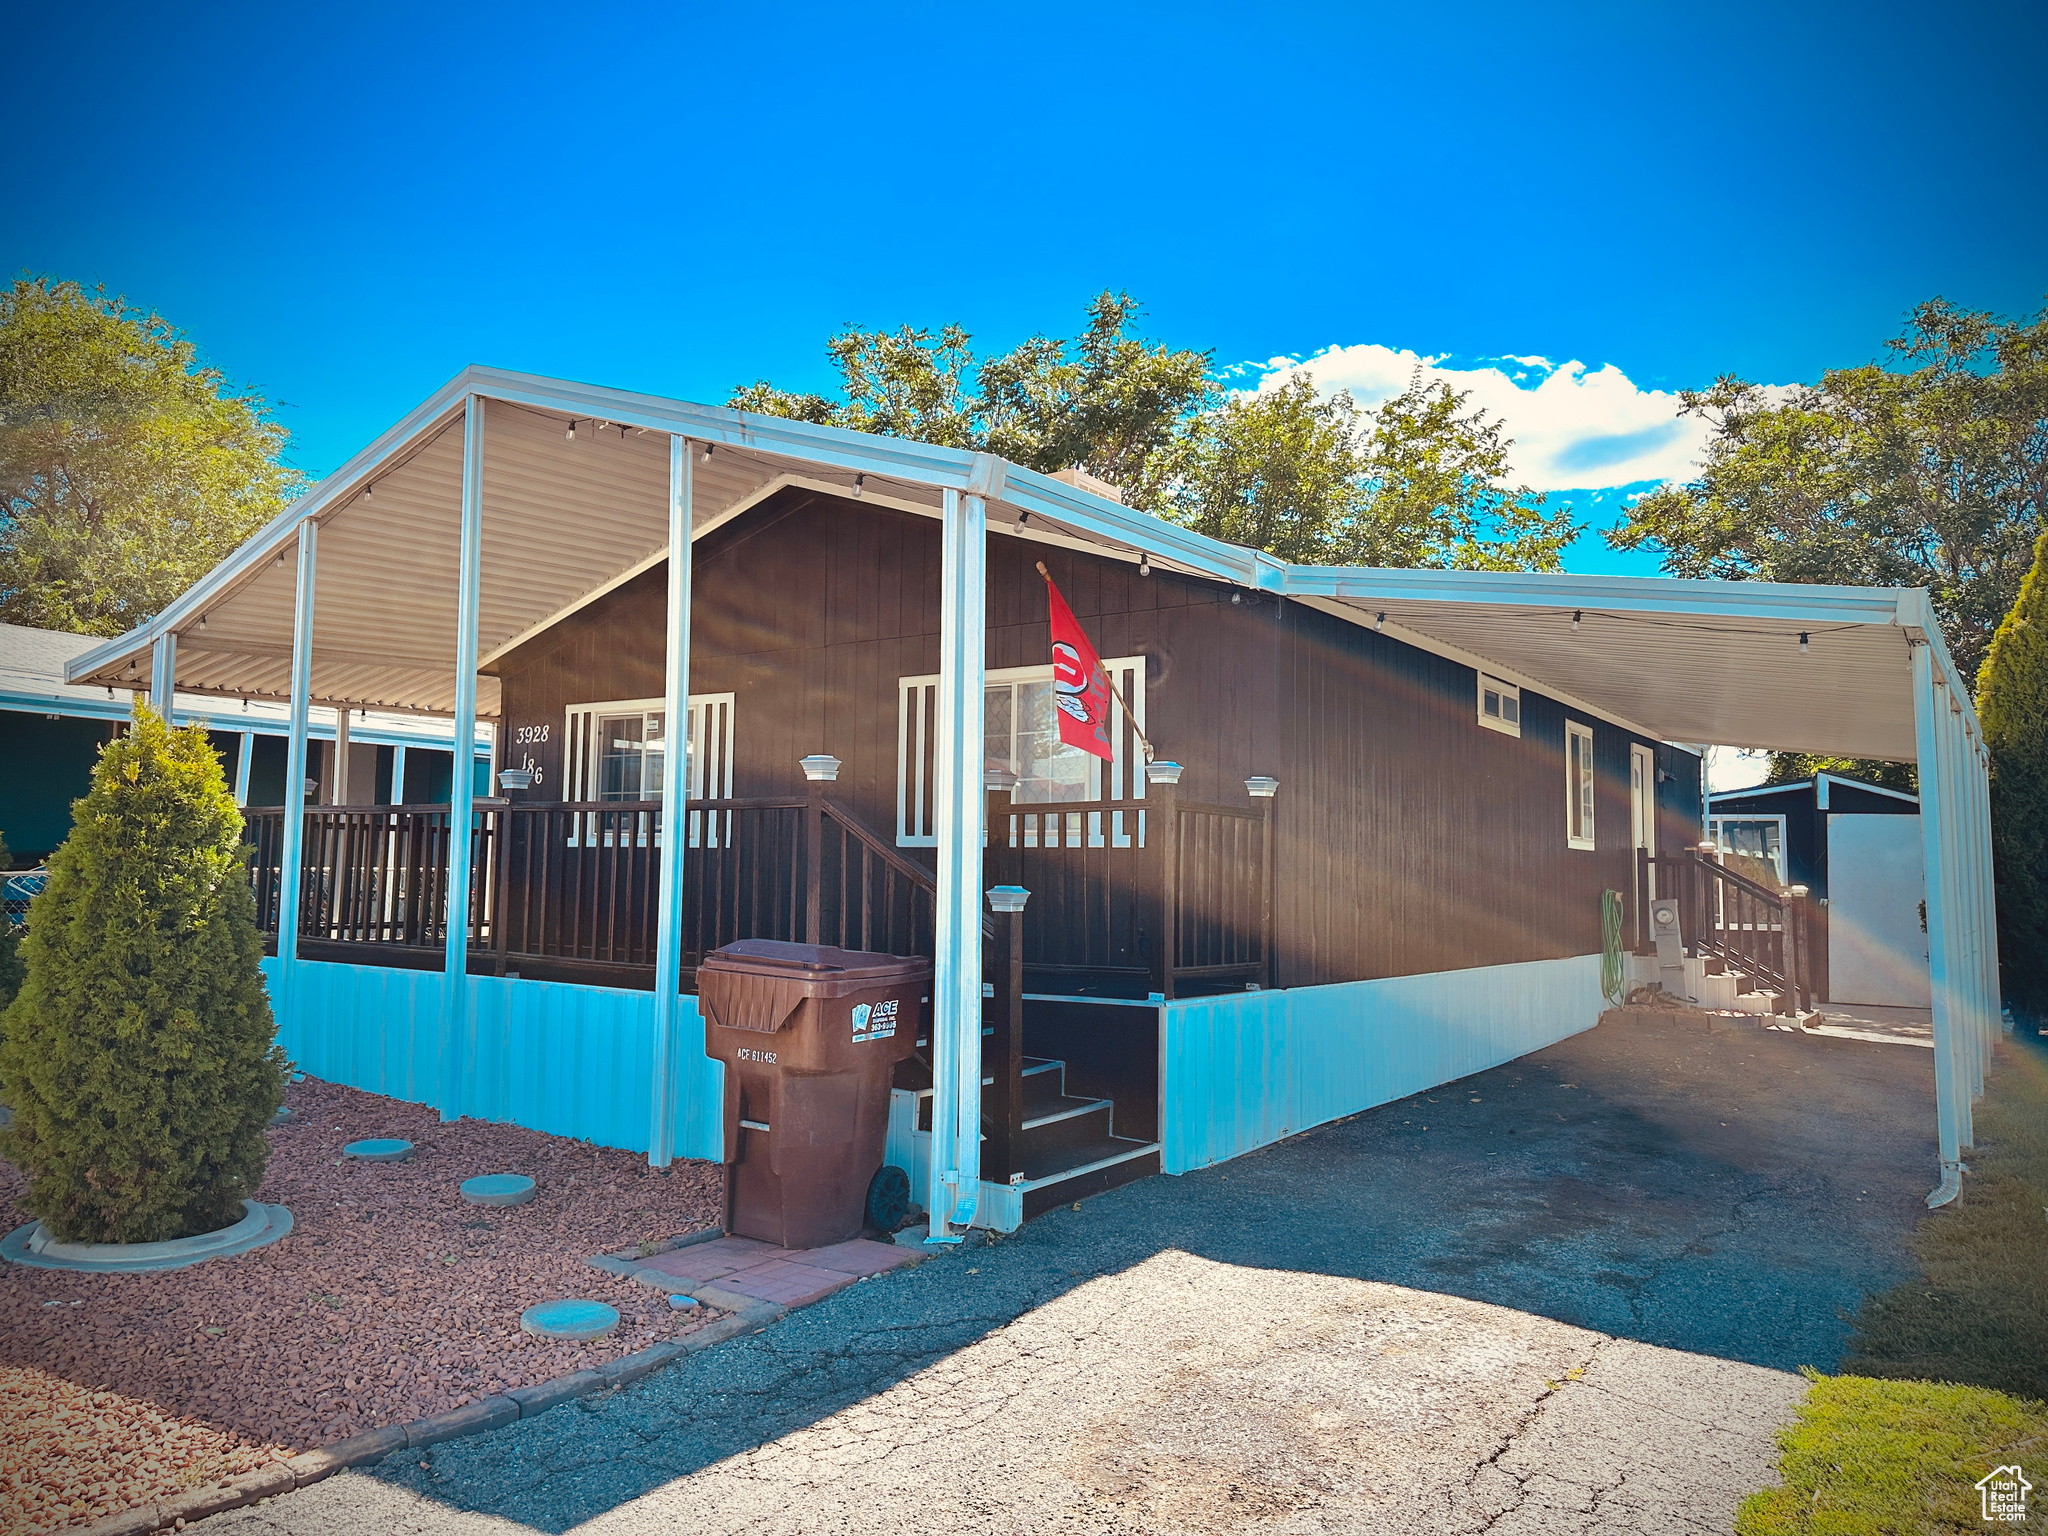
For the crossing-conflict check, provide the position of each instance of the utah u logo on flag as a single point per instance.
(1079, 684)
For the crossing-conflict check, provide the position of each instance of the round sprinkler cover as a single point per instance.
(571, 1320)
(378, 1149)
(498, 1189)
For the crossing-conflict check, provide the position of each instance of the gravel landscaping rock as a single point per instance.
(69, 1456)
(392, 1301)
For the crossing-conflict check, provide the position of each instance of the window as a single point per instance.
(1020, 733)
(1500, 705)
(617, 752)
(1752, 846)
(1578, 784)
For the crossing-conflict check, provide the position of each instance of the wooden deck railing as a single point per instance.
(577, 884)
(1162, 888)
(1760, 931)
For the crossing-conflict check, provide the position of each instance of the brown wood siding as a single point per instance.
(1409, 838)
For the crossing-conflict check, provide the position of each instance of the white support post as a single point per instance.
(398, 775)
(1965, 983)
(1964, 780)
(675, 786)
(959, 811)
(337, 793)
(292, 838)
(243, 764)
(1987, 887)
(163, 673)
(462, 778)
(1930, 712)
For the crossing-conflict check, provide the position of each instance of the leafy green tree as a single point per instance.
(1110, 403)
(1106, 401)
(1791, 767)
(139, 1058)
(1418, 482)
(127, 470)
(2012, 702)
(1932, 472)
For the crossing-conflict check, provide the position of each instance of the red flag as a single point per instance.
(1079, 685)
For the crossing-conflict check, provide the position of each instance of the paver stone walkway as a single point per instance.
(788, 1277)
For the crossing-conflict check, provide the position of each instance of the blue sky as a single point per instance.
(345, 206)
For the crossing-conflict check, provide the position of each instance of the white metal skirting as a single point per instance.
(1001, 1207)
(551, 1056)
(1244, 1070)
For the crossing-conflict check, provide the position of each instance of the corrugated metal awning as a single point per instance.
(566, 518)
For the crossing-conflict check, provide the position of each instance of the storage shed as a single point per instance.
(1858, 848)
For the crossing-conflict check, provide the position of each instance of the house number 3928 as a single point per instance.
(525, 735)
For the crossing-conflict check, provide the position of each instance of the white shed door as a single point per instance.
(1877, 948)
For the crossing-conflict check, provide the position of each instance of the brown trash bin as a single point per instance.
(810, 1036)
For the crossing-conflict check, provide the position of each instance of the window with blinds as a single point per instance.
(1020, 733)
(616, 752)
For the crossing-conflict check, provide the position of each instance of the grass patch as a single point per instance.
(1897, 1458)
(1979, 1313)
(1950, 1369)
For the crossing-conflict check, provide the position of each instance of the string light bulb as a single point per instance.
(202, 621)
(571, 433)
(1804, 648)
(705, 457)
(370, 491)
(1576, 616)
(1144, 565)
(860, 484)
(1379, 624)
(1236, 598)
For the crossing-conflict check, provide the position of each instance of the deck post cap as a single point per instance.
(1007, 898)
(820, 767)
(998, 778)
(1163, 772)
(1261, 787)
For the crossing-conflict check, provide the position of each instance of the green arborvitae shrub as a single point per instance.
(10, 943)
(139, 1058)
(2012, 702)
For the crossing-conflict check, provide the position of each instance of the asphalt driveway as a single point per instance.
(1564, 1295)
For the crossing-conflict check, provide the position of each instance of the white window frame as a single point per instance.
(1716, 823)
(1510, 695)
(710, 768)
(1120, 778)
(1581, 785)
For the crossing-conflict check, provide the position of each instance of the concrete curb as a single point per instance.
(309, 1467)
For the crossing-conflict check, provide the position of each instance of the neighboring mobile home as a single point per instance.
(1371, 854)
(51, 732)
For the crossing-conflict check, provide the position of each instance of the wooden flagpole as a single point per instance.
(1114, 692)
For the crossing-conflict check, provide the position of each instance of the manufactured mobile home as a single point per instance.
(751, 677)
(51, 732)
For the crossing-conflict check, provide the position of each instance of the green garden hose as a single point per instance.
(1610, 947)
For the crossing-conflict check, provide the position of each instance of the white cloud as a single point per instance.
(1574, 427)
